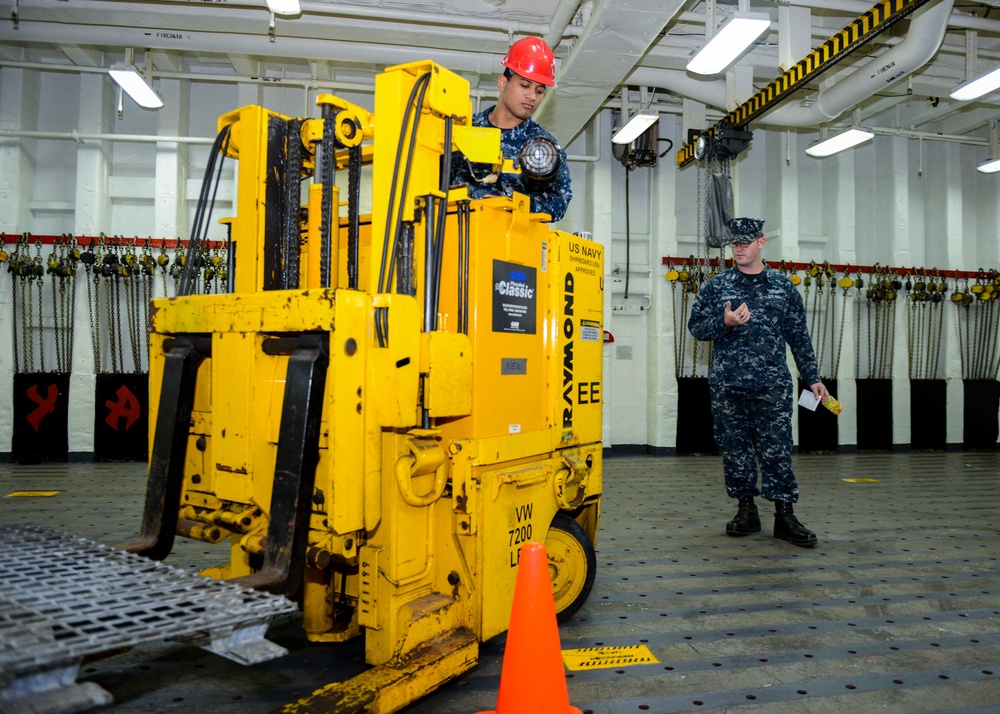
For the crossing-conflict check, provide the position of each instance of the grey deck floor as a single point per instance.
(896, 610)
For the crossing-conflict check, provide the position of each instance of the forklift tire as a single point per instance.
(572, 565)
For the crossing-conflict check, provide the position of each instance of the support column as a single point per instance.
(945, 247)
(662, 409)
(892, 227)
(170, 217)
(94, 161)
(839, 217)
(19, 94)
(782, 215)
(794, 32)
(598, 217)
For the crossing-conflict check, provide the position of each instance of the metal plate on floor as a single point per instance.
(63, 597)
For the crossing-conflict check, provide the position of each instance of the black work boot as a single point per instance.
(746, 520)
(787, 526)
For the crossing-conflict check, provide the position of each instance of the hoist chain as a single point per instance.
(132, 311)
(685, 304)
(39, 272)
(830, 326)
(113, 311)
(93, 310)
(871, 346)
(992, 374)
(890, 339)
(912, 337)
(13, 295)
(26, 323)
(940, 333)
(845, 283)
(701, 183)
(922, 343)
(132, 273)
(15, 267)
(57, 338)
(671, 277)
(977, 341)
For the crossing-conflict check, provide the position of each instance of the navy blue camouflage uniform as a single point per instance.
(749, 381)
(551, 196)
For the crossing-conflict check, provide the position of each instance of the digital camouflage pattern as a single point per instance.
(755, 426)
(751, 386)
(753, 355)
(745, 229)
(551, 196)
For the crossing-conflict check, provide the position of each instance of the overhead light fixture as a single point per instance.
(129, 79)
(729, 42)
(284, 7)
(851, 137)
(978, 87)
(990, 167)
(634, 128)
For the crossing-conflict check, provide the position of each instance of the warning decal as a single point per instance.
(607, 657)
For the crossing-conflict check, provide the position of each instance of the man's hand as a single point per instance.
(820, 391)
(739, 316)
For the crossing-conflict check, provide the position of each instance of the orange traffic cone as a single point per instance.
(533, 680)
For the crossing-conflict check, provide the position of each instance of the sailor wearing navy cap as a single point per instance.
(750, 313)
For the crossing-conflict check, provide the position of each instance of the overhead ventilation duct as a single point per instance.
(927, 28)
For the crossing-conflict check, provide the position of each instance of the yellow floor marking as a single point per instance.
(607, 657)
(30, 494)
(860, 480)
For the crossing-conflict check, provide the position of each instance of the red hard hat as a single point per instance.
(532, 59)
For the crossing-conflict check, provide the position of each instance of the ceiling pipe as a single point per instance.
(711, 92)
(927, 28)
(311, 13)
(169, 27)
(484, 64)
(307, 83)
(83, 137)
(559, 23)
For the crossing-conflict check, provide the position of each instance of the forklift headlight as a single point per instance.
(539, 158)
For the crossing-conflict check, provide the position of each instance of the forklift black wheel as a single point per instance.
(572, 565)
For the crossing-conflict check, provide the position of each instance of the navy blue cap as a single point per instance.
(745, 230)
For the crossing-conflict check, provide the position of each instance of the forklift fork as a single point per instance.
(166, 463)
(294, 468)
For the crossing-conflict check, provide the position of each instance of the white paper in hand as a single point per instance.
(808, 400)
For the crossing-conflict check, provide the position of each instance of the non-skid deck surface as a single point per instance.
(896, 610)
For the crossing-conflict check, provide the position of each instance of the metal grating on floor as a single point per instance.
(63, 597)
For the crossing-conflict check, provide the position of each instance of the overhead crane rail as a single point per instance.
(862, 30)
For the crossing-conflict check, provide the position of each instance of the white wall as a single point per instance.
(864, 206)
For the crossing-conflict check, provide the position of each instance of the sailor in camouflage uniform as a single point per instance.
(530, 69)
(750, 312)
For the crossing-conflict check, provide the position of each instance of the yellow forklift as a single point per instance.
(382, 408)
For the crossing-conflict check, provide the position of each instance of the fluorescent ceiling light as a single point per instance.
(634, 128)
(729, 43)
(284, 7)
(851, 137)
(978, 87)
(135, 86)
(990, 167)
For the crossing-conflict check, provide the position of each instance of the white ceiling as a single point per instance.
(601, 45)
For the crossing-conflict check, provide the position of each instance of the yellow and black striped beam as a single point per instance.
(877, 20)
